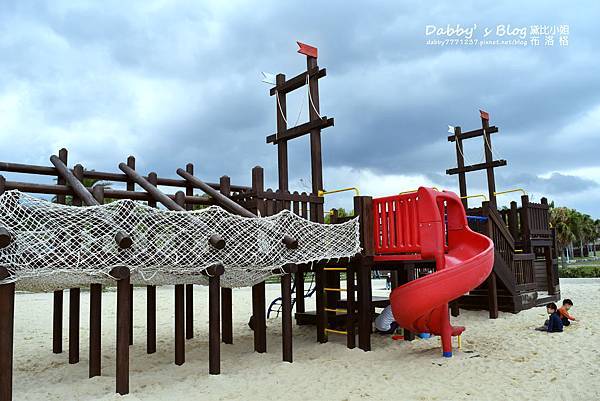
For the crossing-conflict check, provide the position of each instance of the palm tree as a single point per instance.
(559, 218)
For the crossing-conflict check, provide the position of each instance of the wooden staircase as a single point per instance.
(513, 269)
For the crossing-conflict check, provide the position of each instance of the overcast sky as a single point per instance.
(173, 82)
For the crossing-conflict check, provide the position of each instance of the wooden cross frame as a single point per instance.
(313, 127)
(485, 131)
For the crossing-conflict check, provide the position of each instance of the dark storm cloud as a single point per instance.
(174, 82)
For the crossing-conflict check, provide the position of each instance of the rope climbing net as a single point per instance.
(58, 246)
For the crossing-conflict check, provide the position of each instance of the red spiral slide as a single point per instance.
(431, 225)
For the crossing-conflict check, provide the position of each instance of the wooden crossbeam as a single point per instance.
(473, 134)
(476, 167)
(300, 130)
(298, 81)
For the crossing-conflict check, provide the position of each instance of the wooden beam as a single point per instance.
(99, 175)
(300, 130)
(477, 167)
(472, 134)
(298, 81)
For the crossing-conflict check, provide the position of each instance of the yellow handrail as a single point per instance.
(511, 190)
(475, 196)
(335, 191)
(415, 190)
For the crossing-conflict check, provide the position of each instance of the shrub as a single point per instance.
(579, 272)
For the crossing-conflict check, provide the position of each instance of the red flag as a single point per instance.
(484, 114)
(307, 50)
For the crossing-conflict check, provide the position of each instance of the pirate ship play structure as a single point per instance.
(525, 270)
(246, 234)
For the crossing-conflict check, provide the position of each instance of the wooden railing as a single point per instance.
(503, 242)
(268, 202)
(523, 271)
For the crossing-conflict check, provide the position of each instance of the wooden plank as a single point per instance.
(472, 134)
(302, 129)
(365, 318)
(298, 81)
(476, 167)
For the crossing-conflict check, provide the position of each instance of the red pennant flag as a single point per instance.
(484, 114)
(307, 49)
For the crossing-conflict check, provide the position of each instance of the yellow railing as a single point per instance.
(475, 196)
(415, 190)
(335, 191)
(510, 191)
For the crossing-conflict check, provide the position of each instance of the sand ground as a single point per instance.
(501, 359)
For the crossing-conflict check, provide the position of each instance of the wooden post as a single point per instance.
(489, 158)
(95, 354)
(350, 306)
(260, 323)
(7, 322)
(492, 296)
(282, 154)
(460, 162)
(316, 162)
(525, 224)
(95, 339)
(57, 313)
(131, 187)
(512, 221)
(491, 280)
(408, 274)
(363, 207)
(214, 340)
(286, 309)
(226, 293)
(121, 273)
(179, 326)
(151, 293)
(189, 288)
(179, 308)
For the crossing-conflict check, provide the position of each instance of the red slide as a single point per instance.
(431, 225)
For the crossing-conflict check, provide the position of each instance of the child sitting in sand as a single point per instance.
(564, 312)
(385, 323)
(554, 323)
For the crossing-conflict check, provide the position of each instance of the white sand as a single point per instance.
(501, 359)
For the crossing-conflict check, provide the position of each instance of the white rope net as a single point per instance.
(57, 246)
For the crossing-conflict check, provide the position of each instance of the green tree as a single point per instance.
(560, 220)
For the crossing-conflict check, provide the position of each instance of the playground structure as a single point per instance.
(421, 236)
(525, 270)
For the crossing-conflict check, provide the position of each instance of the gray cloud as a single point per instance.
(178, 82)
